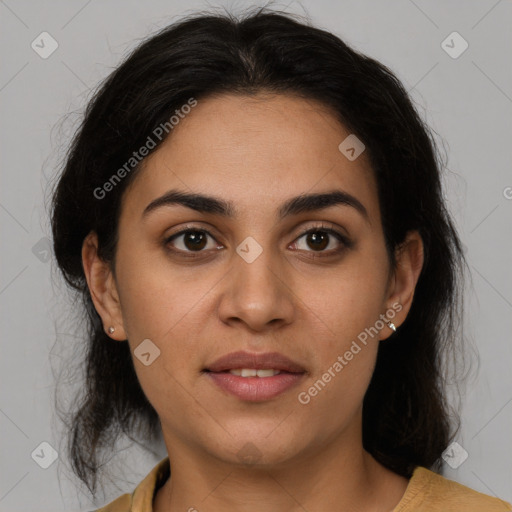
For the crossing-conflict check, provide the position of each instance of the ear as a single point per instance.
(102, 287)
(409, 262)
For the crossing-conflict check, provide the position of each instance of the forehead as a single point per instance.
(255, 151)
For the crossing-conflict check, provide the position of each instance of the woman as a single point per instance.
(252, 212)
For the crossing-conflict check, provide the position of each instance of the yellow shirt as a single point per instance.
(426, 492)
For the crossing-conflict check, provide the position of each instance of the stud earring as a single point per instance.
(111, 330)
(391, 325)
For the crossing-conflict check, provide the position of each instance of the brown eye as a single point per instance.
(194, 240)
(318, 240)
(190, 240)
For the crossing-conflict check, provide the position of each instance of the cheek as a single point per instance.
(346, 353)
(173, 308)
(350, 298)
(349, 303)
(157, 298)
(167, 308)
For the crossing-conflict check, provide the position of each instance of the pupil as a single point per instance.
(195, 240)
(319, 240)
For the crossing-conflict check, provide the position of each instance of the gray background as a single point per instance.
(467, 101)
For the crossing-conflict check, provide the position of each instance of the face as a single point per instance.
(256, 272)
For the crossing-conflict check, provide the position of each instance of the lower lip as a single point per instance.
(255, 389)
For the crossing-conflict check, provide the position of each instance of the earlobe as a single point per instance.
(102, 288)
(409, 263)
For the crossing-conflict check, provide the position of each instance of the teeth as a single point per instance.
(250, 372)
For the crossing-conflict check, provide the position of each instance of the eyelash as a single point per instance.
(346, 243)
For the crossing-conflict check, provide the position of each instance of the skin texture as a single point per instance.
(257, 152)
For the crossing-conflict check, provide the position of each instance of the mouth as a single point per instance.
(248, 362)
(253, 372)
(255, 377)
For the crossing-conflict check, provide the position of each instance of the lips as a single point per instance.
(266, 361)
(255, 377)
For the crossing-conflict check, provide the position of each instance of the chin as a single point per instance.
(258, 450)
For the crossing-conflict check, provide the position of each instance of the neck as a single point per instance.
(340, 472)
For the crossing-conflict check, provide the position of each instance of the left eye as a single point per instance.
(320, 240)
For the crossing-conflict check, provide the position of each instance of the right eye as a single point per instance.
(190, 240)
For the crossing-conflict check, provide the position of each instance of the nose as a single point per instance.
(257, 294)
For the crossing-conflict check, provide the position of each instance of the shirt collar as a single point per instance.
(144, 493)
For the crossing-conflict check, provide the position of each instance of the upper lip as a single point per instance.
(268, 360)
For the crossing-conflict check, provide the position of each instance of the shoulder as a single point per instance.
(141, 499)
(428, 491)
(121, 504)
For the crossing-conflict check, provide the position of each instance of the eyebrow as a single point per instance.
(294, 206)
